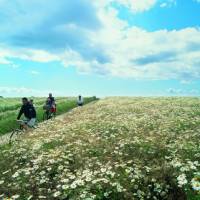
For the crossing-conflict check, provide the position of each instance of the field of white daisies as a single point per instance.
(113, 149)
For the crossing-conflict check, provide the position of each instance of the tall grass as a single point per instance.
(9, 114)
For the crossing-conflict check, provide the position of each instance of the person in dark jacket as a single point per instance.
(51, 100)
(29, 112)
(51, 103)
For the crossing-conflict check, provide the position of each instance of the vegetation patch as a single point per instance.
(106, 151)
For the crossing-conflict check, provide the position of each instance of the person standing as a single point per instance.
(80, 101)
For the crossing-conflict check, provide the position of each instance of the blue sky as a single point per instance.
(102, 48)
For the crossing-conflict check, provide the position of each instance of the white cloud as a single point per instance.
(140, 54)
(175, 91)
(137, 5)
(34, 72)
(186, 82)
(163, 5)
(181, 92)
(132, 52)
(26, 54)
(18, 90)
(168, 3)
(4, 61)
(39, 56)
(24, 91)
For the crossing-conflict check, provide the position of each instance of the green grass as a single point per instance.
(9, 109)
(51, 145)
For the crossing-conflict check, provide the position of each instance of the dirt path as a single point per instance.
(5, 138)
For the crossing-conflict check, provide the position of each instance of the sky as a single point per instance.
(100, 47)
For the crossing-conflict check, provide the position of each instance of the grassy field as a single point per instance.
(114, 149)
(9, 108)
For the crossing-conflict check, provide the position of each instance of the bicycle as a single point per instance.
(48, 113)
(18, 131)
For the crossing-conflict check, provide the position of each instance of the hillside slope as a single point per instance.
(116, 148)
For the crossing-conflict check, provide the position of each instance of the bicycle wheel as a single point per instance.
(52, 115)
(15, 133)
(45, 116)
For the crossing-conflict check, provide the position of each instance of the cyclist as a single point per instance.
(50, 106)
(52, 103)
(47, 105)
(52, 99)
(29, 112)
(31, 101)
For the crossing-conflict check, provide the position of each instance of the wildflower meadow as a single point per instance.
(118, 148)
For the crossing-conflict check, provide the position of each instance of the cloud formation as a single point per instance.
(34, 72)
(175, 91)
(17, 90)
(168, 3)
(137, 6)
(24, 91)
(54, 26)
(90, 36)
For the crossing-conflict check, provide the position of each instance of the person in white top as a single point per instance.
(80, 100)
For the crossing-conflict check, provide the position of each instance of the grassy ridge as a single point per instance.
(114, 149)
(9, 110)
